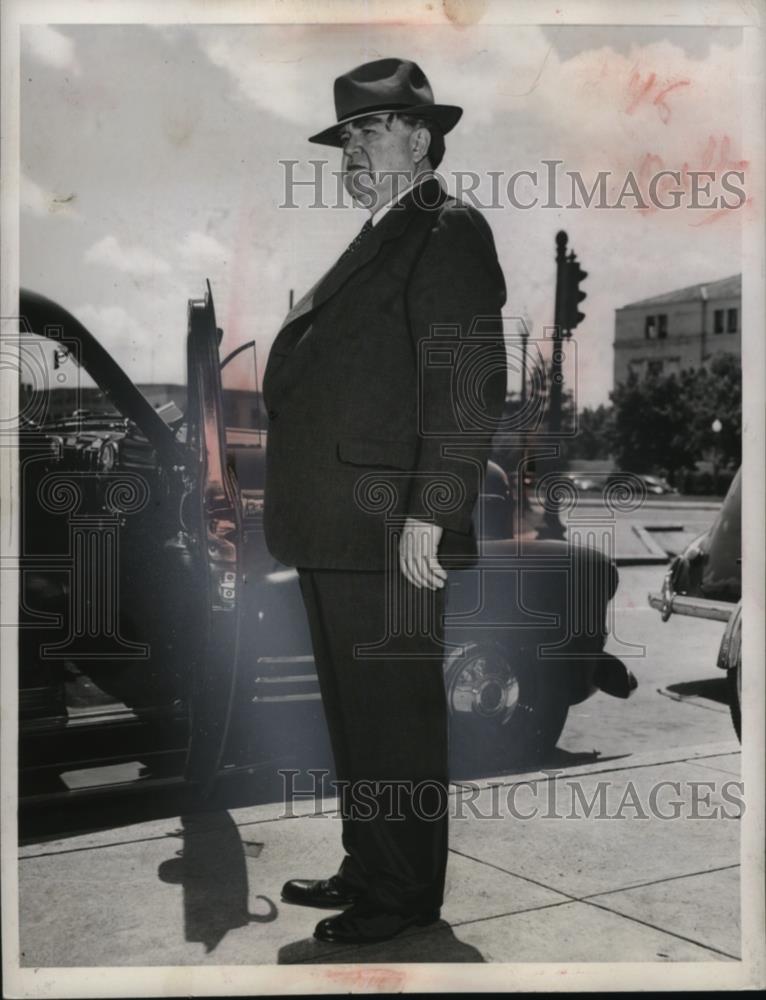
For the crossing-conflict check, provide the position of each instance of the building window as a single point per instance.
(654, 367)
(662, 326)
(650, 327)
(731, 320)
(718, 321)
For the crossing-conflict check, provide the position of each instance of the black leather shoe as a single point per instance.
(362, 925)
(329, 893)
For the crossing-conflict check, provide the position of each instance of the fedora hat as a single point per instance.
(386, 85)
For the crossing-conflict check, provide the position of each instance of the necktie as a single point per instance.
(357, 241)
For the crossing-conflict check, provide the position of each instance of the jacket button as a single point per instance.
(272, 414)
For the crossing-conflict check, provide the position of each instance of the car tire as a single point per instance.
(504, 708)
(734, 685)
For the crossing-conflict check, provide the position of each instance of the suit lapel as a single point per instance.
(289, 346)
(394, 223)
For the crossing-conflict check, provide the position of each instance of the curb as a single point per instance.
(672, 755)
(269, 812)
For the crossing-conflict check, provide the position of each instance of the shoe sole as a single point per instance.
(317, 906)
(424, 921)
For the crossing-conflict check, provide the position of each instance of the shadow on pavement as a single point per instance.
(211, 868)
(114, 807)
(564, 758)
(436, 944)
(467, 770)
(59, 819)
(712, 688)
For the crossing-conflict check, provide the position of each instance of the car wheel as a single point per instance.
(501, 707)
(734, 684)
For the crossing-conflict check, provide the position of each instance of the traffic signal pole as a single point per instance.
(567, 316)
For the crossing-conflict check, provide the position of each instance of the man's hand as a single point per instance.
(417, 554)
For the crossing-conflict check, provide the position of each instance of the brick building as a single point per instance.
(680, 329)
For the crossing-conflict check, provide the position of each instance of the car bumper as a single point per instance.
(695, 607)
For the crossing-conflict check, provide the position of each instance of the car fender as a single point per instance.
(548, 599)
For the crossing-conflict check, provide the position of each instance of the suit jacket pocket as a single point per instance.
(377, 452)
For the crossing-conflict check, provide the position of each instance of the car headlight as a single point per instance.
(56, 445)
(107, 457)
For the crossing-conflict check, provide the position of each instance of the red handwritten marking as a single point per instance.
(724, 160)
(646, 91)
(716, 158)
(634, 84)
(659, 100)
(390, 980)
(719, 214)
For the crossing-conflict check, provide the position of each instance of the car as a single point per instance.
(584, 483)
(649, 485)
(657, 485)
(705, 581)
(158, 636)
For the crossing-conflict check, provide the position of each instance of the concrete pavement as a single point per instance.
(618, 884)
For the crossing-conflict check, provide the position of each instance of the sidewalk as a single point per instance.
(205, 889)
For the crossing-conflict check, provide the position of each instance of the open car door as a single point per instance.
(214, 519)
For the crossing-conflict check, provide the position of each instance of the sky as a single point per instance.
(150, 161)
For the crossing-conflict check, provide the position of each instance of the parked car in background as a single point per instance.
(657, 485)
(585, 483)
(705, 581)
(158, 636)
(597, 482)
(652, 485)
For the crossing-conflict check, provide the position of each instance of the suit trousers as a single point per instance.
(378, 648)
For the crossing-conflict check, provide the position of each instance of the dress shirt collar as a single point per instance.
(378, 214)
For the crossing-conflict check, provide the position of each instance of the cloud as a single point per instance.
(143, 352)
(132, 260)
(51, 47)
(268, 65)
(110, 322)
(199, 249)
(42, 203)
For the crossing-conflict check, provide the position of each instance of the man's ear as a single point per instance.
(420, 141)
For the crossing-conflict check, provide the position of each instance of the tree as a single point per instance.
(593, 439)
(664, 422)
(719, 397)
(653, 419)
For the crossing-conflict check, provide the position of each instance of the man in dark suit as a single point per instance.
(383, 387)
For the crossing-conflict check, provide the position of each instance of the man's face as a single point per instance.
(379, 159)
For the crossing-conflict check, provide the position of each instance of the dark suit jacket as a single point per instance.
(383, 387)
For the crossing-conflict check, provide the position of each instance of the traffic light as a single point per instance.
(573, 296)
